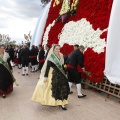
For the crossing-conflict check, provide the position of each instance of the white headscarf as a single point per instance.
(51, 51)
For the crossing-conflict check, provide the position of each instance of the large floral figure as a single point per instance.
(88, 26)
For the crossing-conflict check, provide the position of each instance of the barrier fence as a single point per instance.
(104, 86)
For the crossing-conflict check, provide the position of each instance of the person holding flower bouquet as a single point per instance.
(75, 58)
(52, 88)
(6, 77)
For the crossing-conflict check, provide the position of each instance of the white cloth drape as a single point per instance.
(38, 33)
(112, 63)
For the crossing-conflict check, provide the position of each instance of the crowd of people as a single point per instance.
(55, 82)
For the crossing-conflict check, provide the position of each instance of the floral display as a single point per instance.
(87, 27)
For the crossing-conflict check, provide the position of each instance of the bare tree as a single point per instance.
(28, 37)
(5, 39)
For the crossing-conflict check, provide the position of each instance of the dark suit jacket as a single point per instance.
(76, 58)
(9, 64)
(19, 53)
(11, 52)
(34, 52)
(41, 54)
(65, 58)
(47, 53)
(25, 53)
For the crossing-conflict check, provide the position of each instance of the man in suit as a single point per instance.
(19, 57)
(11, 54)
(76, 58)
(40, 57)
(25, 54)
(47, 48)
(33, 58)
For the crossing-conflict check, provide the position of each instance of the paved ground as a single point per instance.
(18, 104)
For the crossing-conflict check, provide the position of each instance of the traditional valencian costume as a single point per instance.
(6, 76)
(56, 90)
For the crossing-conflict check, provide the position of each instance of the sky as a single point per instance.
(18, 17)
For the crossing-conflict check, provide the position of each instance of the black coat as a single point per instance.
(25, 53)
(34, 52)
(76, 58)
(9, 64)
(19, 53)
(47, 53)
(11, 52)
(41, 54)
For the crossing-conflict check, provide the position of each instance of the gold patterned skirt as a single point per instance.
(43, 93)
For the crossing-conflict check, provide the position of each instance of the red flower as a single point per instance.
(103, 35)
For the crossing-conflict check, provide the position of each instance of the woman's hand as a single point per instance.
(16, 83)
(83, 69)
(65, 66)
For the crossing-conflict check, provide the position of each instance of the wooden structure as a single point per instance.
(105, 86)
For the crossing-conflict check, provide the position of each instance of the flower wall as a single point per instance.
(87, 27)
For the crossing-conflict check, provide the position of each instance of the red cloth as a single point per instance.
(16, 60)
(42, 60)
(69, 66)
(79, 69)
(33, 56)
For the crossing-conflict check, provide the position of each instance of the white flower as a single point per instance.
(82, 33)
(45, 37)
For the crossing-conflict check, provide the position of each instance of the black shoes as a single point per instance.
(71, 92)
(81, 96)
(63, 108)
(19, 67)
(24, 74)
(4, 96)
(35, 70)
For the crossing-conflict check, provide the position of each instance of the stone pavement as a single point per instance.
(18, 104)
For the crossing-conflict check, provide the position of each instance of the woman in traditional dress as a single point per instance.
(6, 77)
(52, 88)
